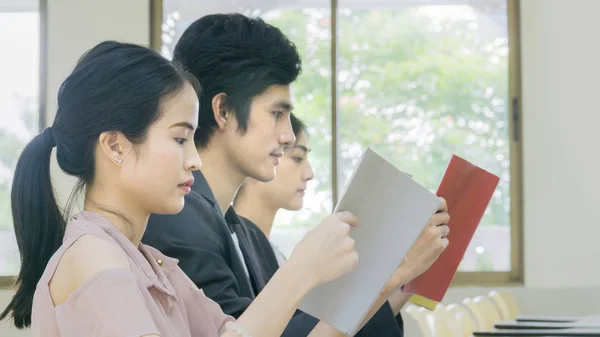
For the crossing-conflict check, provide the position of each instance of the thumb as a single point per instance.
(348, 218)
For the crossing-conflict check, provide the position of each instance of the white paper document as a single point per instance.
(392, 210)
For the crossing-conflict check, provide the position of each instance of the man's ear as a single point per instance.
(218, 107)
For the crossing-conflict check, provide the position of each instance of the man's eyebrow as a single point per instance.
(283, 105)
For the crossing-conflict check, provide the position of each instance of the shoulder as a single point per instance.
(247, 222)
(255, 231)
(88, 256)
(250, 225)
(198, 227)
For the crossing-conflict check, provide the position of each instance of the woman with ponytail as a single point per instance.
(124, 127)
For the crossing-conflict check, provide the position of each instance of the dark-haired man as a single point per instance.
(245, 67)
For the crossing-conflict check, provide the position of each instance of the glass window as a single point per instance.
(421, 82)
(416, 80)
(19, 105)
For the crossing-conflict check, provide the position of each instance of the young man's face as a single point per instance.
(257, 152)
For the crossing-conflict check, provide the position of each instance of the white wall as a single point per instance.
(75, 26)
(560, 72)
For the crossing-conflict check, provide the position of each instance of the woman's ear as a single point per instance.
(114, 145)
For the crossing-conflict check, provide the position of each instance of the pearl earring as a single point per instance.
(118, 160)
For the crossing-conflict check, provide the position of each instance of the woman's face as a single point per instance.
(292, 176)
(158, 174)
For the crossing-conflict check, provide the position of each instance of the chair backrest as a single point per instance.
(423, 318)
(484, 310)
(475, 312)
(445, 324)
(463, 317)
(513, 307)
(501, 304)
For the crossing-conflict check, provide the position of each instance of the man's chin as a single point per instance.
(294, 207)
(264, 177)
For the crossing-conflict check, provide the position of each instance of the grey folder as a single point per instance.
(392, 210)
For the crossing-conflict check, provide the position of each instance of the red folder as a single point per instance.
(467, 190)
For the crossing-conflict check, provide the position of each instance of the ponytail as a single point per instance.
(38, 222)
(116, 87)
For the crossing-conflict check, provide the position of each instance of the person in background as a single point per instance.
(124, 126)
(246, 68)
(258, 202)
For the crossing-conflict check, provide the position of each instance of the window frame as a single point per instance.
(8, 282)
(504, 278)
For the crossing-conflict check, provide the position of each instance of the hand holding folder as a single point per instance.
(467, 190)
(429, 245)
(393, 211)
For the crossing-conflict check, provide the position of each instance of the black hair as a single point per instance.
(238, 56)
(298, 126)
(114, 87)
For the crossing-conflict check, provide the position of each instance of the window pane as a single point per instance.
(419, 83)
(19, 83)
(310, 29)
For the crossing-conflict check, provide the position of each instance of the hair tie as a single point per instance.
(49, 136)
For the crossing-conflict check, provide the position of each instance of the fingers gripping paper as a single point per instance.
(392, 210)
(467, 189)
